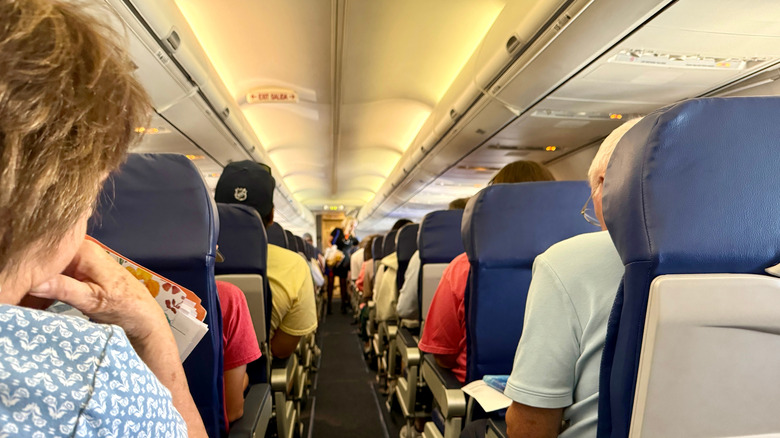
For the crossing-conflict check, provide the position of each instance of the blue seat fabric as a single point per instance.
(388, 243)
(157, 211)
(300, 244)
(242, 241)
(406, 245)
(376, 247)
(692, 188)
(439, 241)
(290, 239)
(276, 235)
(504, 228)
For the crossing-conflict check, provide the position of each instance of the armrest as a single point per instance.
(496, 428)
(407, 347)
(257, 413)
(445, 387)
(282, 371)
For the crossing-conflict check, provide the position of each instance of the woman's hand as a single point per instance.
(95, 284)
(99, 287)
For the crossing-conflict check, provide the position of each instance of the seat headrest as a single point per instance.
(388, 243)
(406, 242)
(505, 226)
(276, 235)
(299, 244)
(290, 239)
(376, 247)
(538, 213)
(438, 238)
(692, 187)
(143, 209)
(242, 241)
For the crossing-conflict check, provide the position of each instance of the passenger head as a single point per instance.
(599, 166)
(248, 183)
(348, 225)
(69, 107)
(522, 171)
(400, 223)
(458, 204)
(307, 238)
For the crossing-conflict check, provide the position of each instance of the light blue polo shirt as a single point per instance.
(558, 357)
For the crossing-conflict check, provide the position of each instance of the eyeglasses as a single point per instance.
(588, 213)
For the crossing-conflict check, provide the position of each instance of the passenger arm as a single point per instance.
(100, 288)
(448, 361)
(236, 381)
(524, 421)
(283, 344)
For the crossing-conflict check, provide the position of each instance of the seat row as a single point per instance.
(157, 211)
(689, 349)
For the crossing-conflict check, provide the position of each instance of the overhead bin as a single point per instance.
(548, 43)
(185, 90)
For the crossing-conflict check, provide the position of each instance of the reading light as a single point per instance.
(195, 157)
(551, 148)
(149, 131)
(616, 116)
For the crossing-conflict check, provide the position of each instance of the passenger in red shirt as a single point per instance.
(444, 333)
(240, 346)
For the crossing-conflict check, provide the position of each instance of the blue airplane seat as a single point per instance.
(438, 241)
(504, 228)
(242, 241)
(376, 250)
(157, 211)
(388, 243)
(276, 235)
(290, 239)
(690, 189)
(300, 245)
(406, 245)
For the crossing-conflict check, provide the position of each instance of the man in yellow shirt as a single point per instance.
(293, 312)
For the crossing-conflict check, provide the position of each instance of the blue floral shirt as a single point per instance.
(65, 376)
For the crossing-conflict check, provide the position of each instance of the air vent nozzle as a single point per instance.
(173, 40)
(512, 44)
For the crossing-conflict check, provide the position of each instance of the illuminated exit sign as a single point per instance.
(272, 95)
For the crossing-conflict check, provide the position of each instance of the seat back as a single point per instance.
(692, 188)
(406, 245)
(290, 239)
(504, 228)
(276, 235)
(376, 251)
(157, 211)
(438, 241)
(300, 246)
(242, 241)
(700, 328)
(388, 243)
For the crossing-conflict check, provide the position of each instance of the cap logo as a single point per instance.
(240, 194)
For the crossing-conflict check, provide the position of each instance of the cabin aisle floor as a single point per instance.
(345, 402)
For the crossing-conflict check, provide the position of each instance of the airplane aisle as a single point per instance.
(346, 403)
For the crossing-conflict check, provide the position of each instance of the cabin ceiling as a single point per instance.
(368, 74)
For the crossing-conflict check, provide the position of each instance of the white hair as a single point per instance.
(601, 160)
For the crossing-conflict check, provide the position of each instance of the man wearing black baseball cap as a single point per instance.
(293, 313)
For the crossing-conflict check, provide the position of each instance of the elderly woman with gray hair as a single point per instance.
(68, 111)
